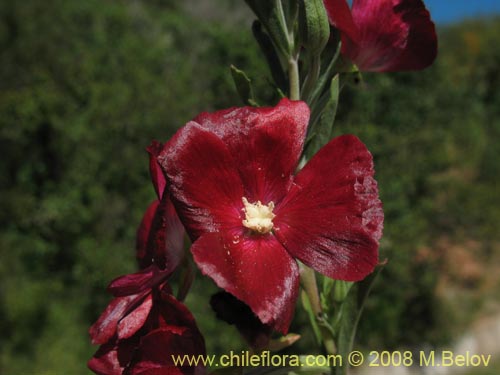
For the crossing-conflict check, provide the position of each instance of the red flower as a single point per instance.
(144, 325)
(385, 35)
(231, 176)
(142, 316)
(160, 331)
(128, 311)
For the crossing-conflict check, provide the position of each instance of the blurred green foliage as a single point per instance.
(86, 85)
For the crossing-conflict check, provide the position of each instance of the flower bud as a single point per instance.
(341, 290)
(314, 26)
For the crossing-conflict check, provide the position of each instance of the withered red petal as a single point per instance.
(134, 320)
(165, 245)
(105, 326)
(138, 282)
(113, 357)
(154, 355)
(177, 335)
(157, 176)
(142, 254)
(174, 312)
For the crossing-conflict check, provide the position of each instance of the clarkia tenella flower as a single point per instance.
(231, 175)
(385, 35)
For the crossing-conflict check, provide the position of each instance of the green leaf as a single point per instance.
(321, 130)
(311, 315)
(326, 294)
(348, 316)
(272, 16)
(272, 58)
(243, 86)
(291, 10)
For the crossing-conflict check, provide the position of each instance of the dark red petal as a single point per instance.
(173, 254)
(143, 257)
(137, 282)
(148, 369)
(160, 237)
(332, 218)
(112, 358)
(174, 312)
(177, 335)
(265, 142)
(231, 310)
(255, 269)
(157, 176)
(157, 348)
(105, 361)
(204, 180)
(131, 323)
(105, 327)
(166, 237)
(340, 16)
(394, 35)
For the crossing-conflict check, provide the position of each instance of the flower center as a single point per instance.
(258, 216)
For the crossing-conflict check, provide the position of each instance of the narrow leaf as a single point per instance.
(349, 314)
(272, 16)
(311, 315)
(243, 86)
(272, 58)
(323, 128)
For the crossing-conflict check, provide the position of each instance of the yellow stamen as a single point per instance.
(258, 217)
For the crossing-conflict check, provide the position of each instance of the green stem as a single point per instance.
(308, 280)
(293, 78)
